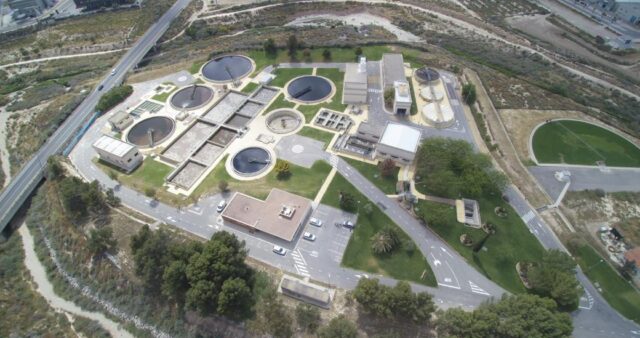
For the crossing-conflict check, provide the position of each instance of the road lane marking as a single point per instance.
(449, 286)
(476, 289)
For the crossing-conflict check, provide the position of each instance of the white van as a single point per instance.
(221, 205)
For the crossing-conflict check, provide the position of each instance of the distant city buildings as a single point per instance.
(29, 8)
(96, 4)
(627, 10)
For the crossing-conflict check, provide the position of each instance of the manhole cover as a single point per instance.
(182, 79)
(297, 149)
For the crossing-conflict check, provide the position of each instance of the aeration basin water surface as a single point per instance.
(151, 131)
(251, 161)
(227, 68)
(191, 97)
(309, 88)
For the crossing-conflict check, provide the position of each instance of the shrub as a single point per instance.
(113, 97)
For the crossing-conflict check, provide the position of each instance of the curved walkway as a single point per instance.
(45, 288)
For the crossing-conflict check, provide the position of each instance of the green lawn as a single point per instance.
(304, 182)
(279, 102)
(309, 111)
(284, 75)
(195, 67)
(317, 134)
(414, 104)
(401, 264)
(372, 173)
(337, 55)
(164, 96)
(337, 77)
(575, 142)
(250, 87)
(615, 289)
(150, 174)
(511, 243)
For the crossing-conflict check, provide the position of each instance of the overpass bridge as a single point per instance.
(23, 183)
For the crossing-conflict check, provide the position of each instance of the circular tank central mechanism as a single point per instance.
(191, 97)
(283, 121)
(251, 161)
(150, 132)
(427, 75)
(226, 69)
(309, 89)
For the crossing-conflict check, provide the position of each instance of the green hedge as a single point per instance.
(113, 97)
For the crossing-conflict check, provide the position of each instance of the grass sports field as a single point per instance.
(574, 142)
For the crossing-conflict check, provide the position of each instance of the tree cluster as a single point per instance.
(398, 303)
(211, 278)
(348, 202)
(283, 169)
(451, 168)
(469, 93)
(81, 199)
(519, 316)
(113, 97)
(554, 277)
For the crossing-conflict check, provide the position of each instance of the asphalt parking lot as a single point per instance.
(317, 257)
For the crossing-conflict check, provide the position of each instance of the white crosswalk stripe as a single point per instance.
(300, 264)
(477, 289)
(528, 216)
(333, 160)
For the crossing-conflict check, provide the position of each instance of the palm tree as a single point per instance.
(381, 242)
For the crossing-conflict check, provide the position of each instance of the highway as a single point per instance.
(24, 182)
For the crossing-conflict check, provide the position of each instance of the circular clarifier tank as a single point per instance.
(427, 75)
(228, 68)
(191, 97)
(251, 161)
(309, 89)
(151, 131)
(283, 121)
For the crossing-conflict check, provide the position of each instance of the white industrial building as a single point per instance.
(399, 142)
(627, 10)
(402, 98)
(118, 153)
(355, 83)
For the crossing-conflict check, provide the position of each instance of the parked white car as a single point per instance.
(315, 222)
(221, 205)
(309, 236)
(279, 250)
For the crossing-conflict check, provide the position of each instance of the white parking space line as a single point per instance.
(528, 216)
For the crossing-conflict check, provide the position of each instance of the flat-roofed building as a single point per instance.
(355, 83)
(392, 69)
(118, 153)
(369, 132)
(120, 120)
(627, 10)
(32, 8)
(399, 143)
(402, 98)
(280, 215)
(306, 292)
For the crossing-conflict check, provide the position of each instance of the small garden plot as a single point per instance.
(575, 142)
(284, 75)
(497, 258)
(317, 134)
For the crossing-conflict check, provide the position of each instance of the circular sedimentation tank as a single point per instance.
(251, 161)
(427, 75)
(191, 97)
(151, 131)
(440, 116)
(284, 121)
(309, 89)
(227, 69)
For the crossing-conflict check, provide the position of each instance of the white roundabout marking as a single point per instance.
(182, 79)
(297, 149)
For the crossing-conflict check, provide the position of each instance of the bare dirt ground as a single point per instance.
(540, 28)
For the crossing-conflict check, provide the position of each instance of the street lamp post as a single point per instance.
(594, 265)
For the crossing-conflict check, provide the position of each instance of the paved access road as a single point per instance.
(31, 174)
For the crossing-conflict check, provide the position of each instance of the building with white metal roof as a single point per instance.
(399, 142)
(118, 153)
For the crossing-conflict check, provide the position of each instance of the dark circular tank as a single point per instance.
(309, 88)
(426, 75)
(151, 131)
(191, 97)
(227, 68)
(251, 160)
